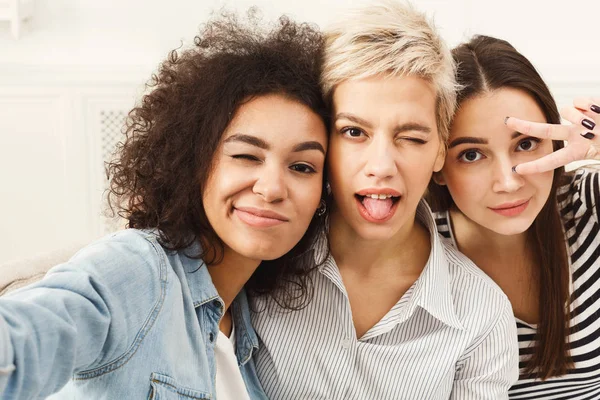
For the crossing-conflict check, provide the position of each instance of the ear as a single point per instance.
(440, 158)
(438, 178)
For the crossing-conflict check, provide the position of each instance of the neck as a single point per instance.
(406, 252)
(231, 274)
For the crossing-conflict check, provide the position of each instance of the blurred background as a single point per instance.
(70, 70)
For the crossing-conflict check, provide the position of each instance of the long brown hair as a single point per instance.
(486, 64)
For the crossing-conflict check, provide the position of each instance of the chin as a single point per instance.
(376, 233)
(514, 227)
(263, 251)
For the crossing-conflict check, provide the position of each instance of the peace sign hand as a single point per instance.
(583, 136)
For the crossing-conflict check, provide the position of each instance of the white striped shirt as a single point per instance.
(451, 335)
(579, 204)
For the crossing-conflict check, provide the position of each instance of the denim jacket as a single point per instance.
(123, 319)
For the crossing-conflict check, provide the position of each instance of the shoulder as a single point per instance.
(126, 271)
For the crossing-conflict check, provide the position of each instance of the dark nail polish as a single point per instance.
(588, 123)
(595, 109)
(506, 119)
(514, 169)
(588, 135)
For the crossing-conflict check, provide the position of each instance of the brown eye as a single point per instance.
(469, 156)
(527, 145)
(352, 132)
(303, 168)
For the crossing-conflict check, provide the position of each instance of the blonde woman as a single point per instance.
(395, 313)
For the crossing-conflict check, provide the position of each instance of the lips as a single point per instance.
(378, 191)
(511, 209)
(377, 205)
(259, 218)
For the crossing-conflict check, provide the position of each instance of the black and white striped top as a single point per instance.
(579, 205)
(450, 336)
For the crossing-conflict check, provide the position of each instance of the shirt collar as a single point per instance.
(433, 289)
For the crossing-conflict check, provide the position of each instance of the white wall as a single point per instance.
(81, 61)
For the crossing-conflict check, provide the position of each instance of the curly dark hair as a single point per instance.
(163, 164)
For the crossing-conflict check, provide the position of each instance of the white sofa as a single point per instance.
(18, 273)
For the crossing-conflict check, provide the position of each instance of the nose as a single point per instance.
(270, 184)
(504, 179)
(380, 162)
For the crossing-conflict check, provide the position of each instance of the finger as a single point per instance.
(590, 107)
(588, 104)
(537, 129)
(550, 162)
(576, 117)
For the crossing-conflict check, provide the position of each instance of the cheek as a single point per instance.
(419, 162)
(464, 186)
(336, 160)
(223, 183)
(414, 173)
(543, 182)
(308, 195)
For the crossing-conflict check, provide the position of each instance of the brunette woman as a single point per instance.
(504, 200)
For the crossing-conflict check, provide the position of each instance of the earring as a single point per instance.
(327, 188)
(322, 208)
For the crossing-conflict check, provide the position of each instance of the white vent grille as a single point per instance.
(111, 123)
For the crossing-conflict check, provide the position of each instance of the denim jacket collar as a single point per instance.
(204, 294)
(245, 337)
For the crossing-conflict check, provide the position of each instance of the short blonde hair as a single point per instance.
(393, 38)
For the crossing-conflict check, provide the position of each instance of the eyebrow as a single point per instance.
(467, 139)
(258, 142)
(476, 140)
(248, 139)
(308, 146)
(412, 126)
(353, 118)
(406, 127)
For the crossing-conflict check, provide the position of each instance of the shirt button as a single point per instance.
(346, 343)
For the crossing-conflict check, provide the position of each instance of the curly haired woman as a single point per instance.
(220, 178)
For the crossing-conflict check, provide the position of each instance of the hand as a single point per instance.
(583, 136)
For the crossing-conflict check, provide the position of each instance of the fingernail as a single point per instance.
(506, 119)
(595, 109)
(514, 169)
(588, 135)
(588, 123)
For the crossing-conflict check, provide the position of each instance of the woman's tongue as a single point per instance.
(378, 209)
